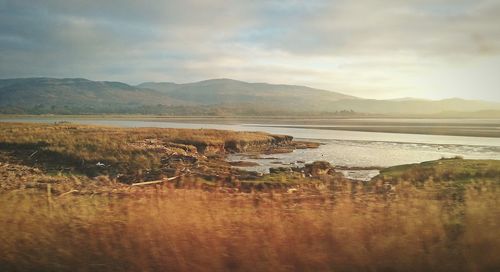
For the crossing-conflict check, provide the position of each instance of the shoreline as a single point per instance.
(136, 155)
(419, 130)
(117, 158)
(262, 117)
(434, 126)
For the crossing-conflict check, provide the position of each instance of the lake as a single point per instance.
(339, 147)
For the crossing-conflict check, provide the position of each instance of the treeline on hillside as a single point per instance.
(166, 110)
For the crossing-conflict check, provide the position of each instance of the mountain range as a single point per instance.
(214, 96)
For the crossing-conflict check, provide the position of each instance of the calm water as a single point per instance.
(344, 148)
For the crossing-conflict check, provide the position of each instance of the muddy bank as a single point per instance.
(138, 155)
(209, 163)
(312, 178)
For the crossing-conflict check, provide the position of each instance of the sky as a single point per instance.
(378, 49)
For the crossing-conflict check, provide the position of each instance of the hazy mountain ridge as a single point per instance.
(75, 91)
(299, 98)
(210, 97)
(223, 91)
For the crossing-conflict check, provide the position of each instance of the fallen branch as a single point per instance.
(33, 154)
(156, 181)
(69, 192)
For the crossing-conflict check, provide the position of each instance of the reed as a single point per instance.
(56, 146)
(411, 229)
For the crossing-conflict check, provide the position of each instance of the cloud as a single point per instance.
(368, 48)
(437, 28)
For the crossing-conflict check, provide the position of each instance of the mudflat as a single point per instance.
(473, 127)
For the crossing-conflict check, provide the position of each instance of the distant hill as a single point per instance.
(263, 96)
(228, 91)
(159, 86)
(33, 91)
(26, 93)
(408, 99)
(209, 97)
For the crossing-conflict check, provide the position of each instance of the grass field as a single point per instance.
(455, 169)
(130, 151)
(410, 229)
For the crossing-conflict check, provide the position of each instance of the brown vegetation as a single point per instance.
(351, 229)
(452, 169)
(131, 153)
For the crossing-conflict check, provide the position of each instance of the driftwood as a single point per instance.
(33, 154)
(155, 181)
(69, 192)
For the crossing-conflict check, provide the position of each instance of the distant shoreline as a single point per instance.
(308, 118)
(423, 126)
(493, 132)
(291, 120)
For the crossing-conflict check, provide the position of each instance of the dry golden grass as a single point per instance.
(411, 229)
(94, 142)
(68, 145)
(456, 169)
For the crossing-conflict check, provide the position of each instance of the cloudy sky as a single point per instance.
(376, 49)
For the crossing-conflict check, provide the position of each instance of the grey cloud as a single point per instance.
(429, 28)
(350, 41)
(38, 36)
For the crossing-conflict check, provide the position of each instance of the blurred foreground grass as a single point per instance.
(409, 229)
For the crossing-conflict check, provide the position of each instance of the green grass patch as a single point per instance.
(455, 169)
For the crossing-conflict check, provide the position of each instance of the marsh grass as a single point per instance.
(446, 169)
(80, 147)
(411, 229)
